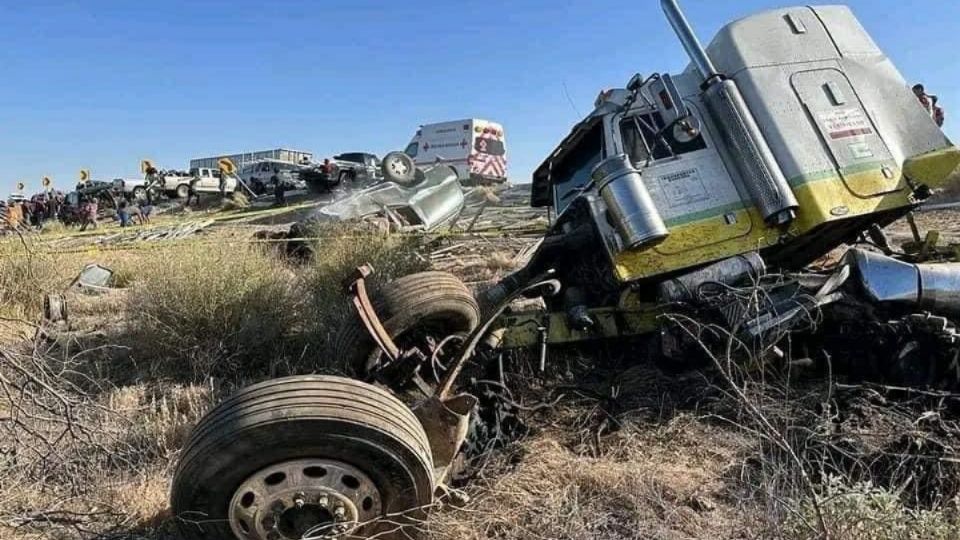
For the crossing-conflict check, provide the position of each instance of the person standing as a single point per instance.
(56, 202)
(327, 170)
(89, 208)
(123, 215)
(146, 207)
(223, 185)
(279, 188)
(929, 104)
(14, 215)
(192, 191)
(152, 177)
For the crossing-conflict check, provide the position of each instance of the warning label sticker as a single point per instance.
(845, 123)
(683, 188)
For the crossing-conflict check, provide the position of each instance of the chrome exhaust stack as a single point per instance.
(752, 156)
(689, 40)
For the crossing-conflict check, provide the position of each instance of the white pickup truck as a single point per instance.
(208, 181)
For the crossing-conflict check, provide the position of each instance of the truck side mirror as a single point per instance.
(686, 129)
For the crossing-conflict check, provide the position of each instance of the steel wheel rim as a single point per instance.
(319, 498)
(398, 167)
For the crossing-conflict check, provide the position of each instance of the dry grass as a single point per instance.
(24, 278)
(28, 273)
(112, 400)
(646, 481)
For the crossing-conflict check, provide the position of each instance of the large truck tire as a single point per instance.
(427, 303)
(323, 454)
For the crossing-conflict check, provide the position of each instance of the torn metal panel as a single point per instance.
(93, 279)
(436, 200)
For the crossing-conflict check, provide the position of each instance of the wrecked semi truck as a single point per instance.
(707, 193)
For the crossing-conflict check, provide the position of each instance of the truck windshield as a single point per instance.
(412, 149)
(354, 157)
(572, 172)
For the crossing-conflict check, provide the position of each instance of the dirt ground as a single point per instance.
(602, 445)
(947, 221)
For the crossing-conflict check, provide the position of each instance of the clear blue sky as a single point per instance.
(102, 84)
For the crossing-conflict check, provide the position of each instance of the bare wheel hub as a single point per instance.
(325, 498)
(398, 167)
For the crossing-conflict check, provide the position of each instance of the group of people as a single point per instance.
(34, 211)
(83, 212)
(128, 214)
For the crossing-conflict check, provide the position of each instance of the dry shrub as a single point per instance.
(213, 309)
(54, 228)
(490, 267)
(836, 461)
(862, 511)
(25, 276)
(166, 413)
(336, 256)
(79, 458)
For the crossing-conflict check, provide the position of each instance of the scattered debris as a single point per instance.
(294, 242)
(177, 231)
(93, 279)
(55, 308)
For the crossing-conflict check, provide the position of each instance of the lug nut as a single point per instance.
(339, 512)
(298, 502)
(323, 501)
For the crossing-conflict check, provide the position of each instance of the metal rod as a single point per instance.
(542, 331)
(542, 281)
(688, 39)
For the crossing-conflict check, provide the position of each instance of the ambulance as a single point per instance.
(475, 148)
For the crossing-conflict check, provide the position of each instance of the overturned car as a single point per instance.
(425, 197)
